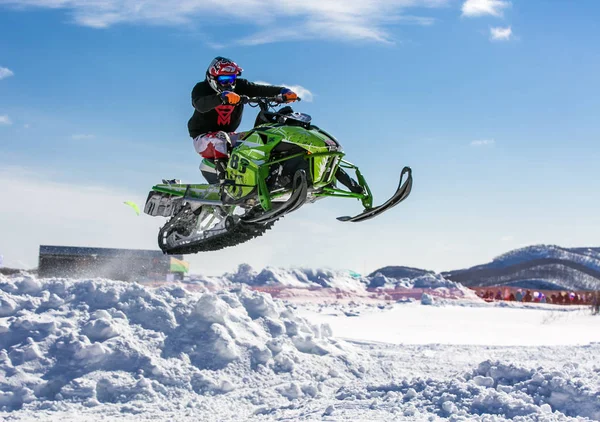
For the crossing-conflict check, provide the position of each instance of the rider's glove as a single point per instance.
(287, 95)
(230, 97)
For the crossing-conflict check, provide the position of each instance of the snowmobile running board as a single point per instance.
(295, 201)
(400, 195)
(187, 197)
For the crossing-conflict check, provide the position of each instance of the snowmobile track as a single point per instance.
(241, 233)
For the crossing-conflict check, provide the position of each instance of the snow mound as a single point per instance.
(330, 279)
(427, 299)
(434, 281)
(379, 280)
(492, 391)
(522, 391)
(298, 277)
(92, 342)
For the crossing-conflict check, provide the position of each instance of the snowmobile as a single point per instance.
(284, 162)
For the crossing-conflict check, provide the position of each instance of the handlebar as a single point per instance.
(271, 101)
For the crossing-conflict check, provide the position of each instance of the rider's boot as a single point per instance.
(345, 179)
(221, 168)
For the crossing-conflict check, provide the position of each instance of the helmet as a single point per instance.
(222, 73)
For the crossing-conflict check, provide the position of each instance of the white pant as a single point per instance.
(214, 145)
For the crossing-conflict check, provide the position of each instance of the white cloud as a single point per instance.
(483, 142)
(276, 20)
(5, 72)
(500, 34)
(418, 20)
(302, 92)
(5, 120)
(473, 8)
(508, 238)
(82, 136)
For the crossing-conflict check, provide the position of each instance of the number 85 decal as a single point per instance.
(237, 164)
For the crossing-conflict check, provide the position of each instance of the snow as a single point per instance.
(323, 285)
(498, 324)
(98, 349)
(295, 278)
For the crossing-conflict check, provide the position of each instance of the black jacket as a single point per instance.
(211, 115)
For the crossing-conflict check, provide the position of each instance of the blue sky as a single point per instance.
(494, 104)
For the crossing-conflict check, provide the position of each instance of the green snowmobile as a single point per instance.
(275, 168)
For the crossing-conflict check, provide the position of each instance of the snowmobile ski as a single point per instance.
(400, 195)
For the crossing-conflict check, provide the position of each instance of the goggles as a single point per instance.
(226, 79)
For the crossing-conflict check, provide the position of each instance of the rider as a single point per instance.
(218, 113)
(218, 110)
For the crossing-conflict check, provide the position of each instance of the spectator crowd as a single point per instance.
(490, 294)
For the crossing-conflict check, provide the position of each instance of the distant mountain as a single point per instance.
(536, 267)
(399, 272)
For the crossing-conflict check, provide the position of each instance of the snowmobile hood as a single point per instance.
(312, 139)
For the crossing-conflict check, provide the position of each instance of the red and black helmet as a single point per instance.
(222, 74)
